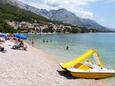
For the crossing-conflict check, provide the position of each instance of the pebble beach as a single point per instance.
(34, 67)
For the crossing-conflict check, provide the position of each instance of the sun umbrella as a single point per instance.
(20, 36)
(2, 35)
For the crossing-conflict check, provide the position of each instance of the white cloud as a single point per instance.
(85, 14)
(102, 20)
(75, 6)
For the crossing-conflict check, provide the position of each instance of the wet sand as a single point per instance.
(36, 68)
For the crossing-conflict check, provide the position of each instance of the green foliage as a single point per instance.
(12, 13)
(45, 30)
(50, 29)
(8, 12)
(4, 27)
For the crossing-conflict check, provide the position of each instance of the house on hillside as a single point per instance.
(29, 27)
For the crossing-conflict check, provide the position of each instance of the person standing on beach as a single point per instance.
(33, 43)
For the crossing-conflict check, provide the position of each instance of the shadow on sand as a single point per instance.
(66, 74)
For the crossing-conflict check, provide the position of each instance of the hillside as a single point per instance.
(64, 16)
(12, 12)
(9, 12)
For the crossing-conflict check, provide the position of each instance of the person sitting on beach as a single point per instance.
(16, 44)
(19, 45)
(1, 47)
(22, 46)
(2, 39)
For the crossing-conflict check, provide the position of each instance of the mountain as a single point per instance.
(18, 11)
(64, 16)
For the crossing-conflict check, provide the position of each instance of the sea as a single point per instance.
(56, 44)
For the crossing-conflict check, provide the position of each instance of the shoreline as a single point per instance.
(53, 57)
(50, 58)
(37, 68)
(66, 33)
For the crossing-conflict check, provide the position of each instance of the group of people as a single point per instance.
(17, 43)
(46, 41)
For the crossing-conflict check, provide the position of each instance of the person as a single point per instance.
(25, 47)
(47, 40)
(32, 43)
(67, 47)
(21, 44)
(43, 41)
(17, 41)
(1, 47)
(17, 44)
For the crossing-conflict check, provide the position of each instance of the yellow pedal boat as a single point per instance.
(88, 70)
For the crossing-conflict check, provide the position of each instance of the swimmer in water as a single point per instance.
(43, 41)
(67, 47)
(47, 40)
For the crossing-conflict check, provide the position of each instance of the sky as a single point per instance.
(102, 11)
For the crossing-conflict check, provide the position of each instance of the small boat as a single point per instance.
(88, 69)
(92, 73)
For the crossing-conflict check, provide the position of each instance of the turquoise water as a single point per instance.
(78, 43)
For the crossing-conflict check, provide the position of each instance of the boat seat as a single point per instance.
(82, 66)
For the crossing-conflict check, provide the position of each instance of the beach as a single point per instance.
(36, 68)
